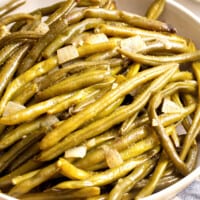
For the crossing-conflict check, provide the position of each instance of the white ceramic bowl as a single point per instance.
(187, 24)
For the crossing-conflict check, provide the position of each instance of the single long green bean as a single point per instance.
(155, 9)
(158, 60)
(45, 11)
(19, 36)
(9, 69)
(119, 31)
(10, 6)
(16, 17)
(129, 18)
(91, 111)
(73, 83)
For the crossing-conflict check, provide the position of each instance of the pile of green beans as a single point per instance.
(117, 119)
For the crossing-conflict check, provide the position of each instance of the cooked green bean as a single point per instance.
(165, 140)
(19, 36)
(8, 70)
(92, 2)
(132, 151)
(63, 10)
(129, 18)
(149, 188)
(71, 171)
(100, 125)
(24, 129)
(117, 31)
(166, 119)
(91, 111)
(74, 82)
(7, 51)
(37, 70)
(33, 111)
(97, 155)
(76, 98)
(63, 195)
(194, 128)
(159, 60)
(16, 17)
(127, 183)
(71, 68)
(45, 11)
(43, 175)
(3, 31)
(25, 93)
(25, 156)
(103, 138)
(155, 9)
(103, 55)
(67, 35)
(110, 175)
(16, 150)
(37, 48)
(30, 165)
(164, 182)
(10, 6)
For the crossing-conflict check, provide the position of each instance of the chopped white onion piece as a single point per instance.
(154, 122)
(133, 44)
(49, 121)
(114, 85)
(180, 130)
(42, 28)
(67, 53)
(12, 107)
(171, 107)
(166, 43)
(113, 157)
(76, 152)
(96, 38)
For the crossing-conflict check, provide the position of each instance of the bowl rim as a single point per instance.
(185, 181)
